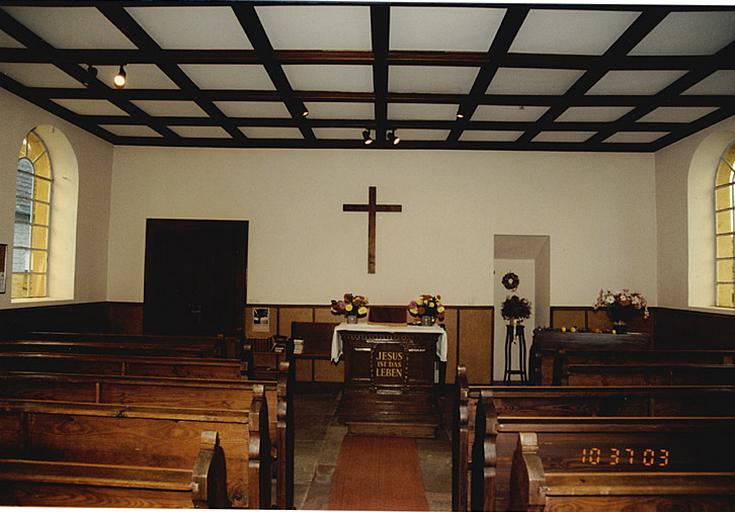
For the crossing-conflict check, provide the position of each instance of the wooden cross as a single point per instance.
(372, 208)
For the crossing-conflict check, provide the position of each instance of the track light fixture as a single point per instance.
(366, 138)
(121, 79)
(391, 137)
(91, 75)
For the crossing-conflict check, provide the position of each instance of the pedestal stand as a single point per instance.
(513, 332)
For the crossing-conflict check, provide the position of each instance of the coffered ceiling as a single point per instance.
(584, 77)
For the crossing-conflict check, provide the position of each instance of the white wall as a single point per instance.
(685, 173)
(94, 158)
(598, 209)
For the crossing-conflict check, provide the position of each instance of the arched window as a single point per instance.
(725, 229)
(32, 219)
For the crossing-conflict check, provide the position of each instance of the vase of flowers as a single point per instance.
(622, 307)
(515, 309)
(428, 308)
(351, 306)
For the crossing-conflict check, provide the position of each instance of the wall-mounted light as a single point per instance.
(121, 79)
(91, 75)
(391, 137)
(366, 138)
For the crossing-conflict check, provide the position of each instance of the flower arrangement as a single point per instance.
(427, 305)
(515, 308)
(622, 306)
(350, 305)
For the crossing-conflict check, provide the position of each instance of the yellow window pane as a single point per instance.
(725, 221)
(724, 174)
(23, 150)
(39, 238)
(724, 295)
(42, 190)
(39, 261)
(21, 285)
(38, 285)
(724, 246)
(40, 213)
(725, 270)
(723, 198)
(35, 146)
(729, 155)
(43, 166)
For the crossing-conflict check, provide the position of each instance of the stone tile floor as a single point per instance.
(318, 439)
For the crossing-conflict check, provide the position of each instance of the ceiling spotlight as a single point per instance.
(366, 139)
(460, 115)
(392, 137)
(91, 75)
(305, 113)
(121, 79)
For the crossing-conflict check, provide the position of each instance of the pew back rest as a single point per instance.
(661, 374)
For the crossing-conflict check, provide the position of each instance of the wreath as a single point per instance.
(510, 281)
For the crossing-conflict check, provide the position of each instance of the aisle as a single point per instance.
(377, 473)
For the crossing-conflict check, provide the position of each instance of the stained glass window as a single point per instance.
(32, 219)
(724, 229)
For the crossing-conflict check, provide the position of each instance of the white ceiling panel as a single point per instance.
(635, 82)
(140, 76)
(533, 81)
(517, 113)
(436, 79)
(170, 108)
(194, 28)
(71, 27)
(224, 76)
(276, 109)
(421, 134)
(91, 107)
(593, 114)
(206, 132)
(676, 114)
(636, 137)
(8, 42)
(315, 77)
(339, 133)
(38, 75)
(422, 111)
(272, 132)
(338, 110)
(130, 130)
(552, 136)
(444, 28)
(719, 82)
(689, 33)
(490, 136)
(317, 27)
(548, 31)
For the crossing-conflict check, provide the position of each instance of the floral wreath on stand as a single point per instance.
(510, 281)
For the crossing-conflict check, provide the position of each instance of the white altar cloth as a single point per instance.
(441, 345)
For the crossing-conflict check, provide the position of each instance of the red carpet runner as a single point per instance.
(377, 473)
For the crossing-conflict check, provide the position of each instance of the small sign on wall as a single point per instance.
(3, 259)
(261, 320)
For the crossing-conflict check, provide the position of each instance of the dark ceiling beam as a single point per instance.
(628, 40)
(29, 39)
(140, 38)
(693, 127)
(253, 28)
(507, 32)
(380, 34)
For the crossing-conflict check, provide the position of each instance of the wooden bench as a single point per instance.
(173, 392)
(154, 366)
(106, 347)
(79, 454)
(563, 401)
(626, 466)
(647, 374)
(212, 346)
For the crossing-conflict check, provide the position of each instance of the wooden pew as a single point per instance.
(625, 467)
(114, 450)
(661, 374)
(154, 366)
(213, 346)
(172, 392)
(105, 347)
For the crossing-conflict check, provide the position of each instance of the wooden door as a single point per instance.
(195, 276)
